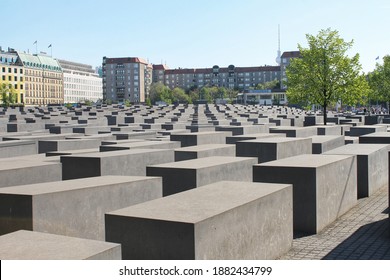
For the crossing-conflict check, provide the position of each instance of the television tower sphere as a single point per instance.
(278, 58)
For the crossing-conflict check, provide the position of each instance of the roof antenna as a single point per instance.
(278, 59)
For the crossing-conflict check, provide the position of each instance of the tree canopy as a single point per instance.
(7, 95)
(379, 81)
(269, 85)
(160, 92)
(324, 74)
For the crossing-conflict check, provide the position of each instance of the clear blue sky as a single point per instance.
(191, 33)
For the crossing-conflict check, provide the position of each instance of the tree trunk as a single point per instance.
(324, 108)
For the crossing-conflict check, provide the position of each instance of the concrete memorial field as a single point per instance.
(206, 181)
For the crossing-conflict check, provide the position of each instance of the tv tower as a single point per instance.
(278, 56)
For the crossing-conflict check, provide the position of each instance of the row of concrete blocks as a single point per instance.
(319, 198)
(76, 209)
(118, 161)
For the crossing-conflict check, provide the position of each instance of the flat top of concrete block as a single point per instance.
(309, 161)
(325, 138)
(32, 245)
(69, 185)
(40, 136)
(281, 128)
(12, 143)
(69, 140)
(203, 162)
(236, 126)
(274, 140)
(204, 147)
(92, 136)
(377, 134)
(36, 157)
(325, 126)
(367, 126)
(12, 163)
(72, 152)
(203, 133)
(258, 135)
(358, 149)
(115, 153)
(201, 203)
(143, 143)
(124, 141)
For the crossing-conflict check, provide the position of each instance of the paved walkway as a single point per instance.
(361, 233)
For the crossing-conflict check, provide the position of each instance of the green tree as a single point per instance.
(379, 81)
(269, 85)
(87, 102)
(231, 94)
(324, 74)
(179, 95)
(160, 92)
(148, 102)
(193, 95)
(222, 92)
(127, 103)
(7, 94)
(205, 94)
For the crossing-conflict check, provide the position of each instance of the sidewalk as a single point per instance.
(361, 233)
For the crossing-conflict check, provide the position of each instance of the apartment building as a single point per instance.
(158, 74)
(126, 78)
(285, 62)
(81, 82)
(229, 77)
(12, 73)
(43, 79)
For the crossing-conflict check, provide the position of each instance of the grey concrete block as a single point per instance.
(300, 132)
(75, 207)
(92, 129)
(375, 138)
(201, 151)
(71, 152)
(125, 162)
(200, 138)
(135, 135)
(247, 129)
(15, 172)
(324, 143)
(14, 148)
(29, 245)
(267, 149)
(185, 175)
(372, 165)
(351, 140)
(141, 145)
(329, 130)
(45, 146)
(366, 129)
(224, 220)
(324, 187)
(235, 139)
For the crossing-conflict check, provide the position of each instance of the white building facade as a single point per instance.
(81, 83)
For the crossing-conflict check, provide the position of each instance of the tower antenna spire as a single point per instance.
(278, 53)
